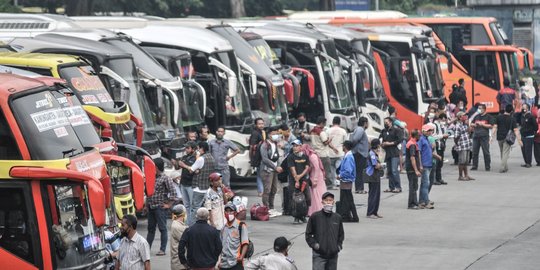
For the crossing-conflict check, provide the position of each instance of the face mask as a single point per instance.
(229, 217)
(431, 115)
(328, 208)
(480, 111)
(299, 154)
(524, 111)
(275, 137)
(461, 107)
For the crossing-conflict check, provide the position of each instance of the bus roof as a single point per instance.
(36, 59)
(11, 84)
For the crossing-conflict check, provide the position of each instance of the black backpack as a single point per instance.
(251, 247)
(299, 205)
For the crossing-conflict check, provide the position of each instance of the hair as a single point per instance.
(202, 214)
(336, 120)
(443, 116)
(284, 127)
(454, 86)
(389, 118)
(391, 109)
(131, 221)
(461, 81)
(160, 165)
(415, 133)
(482, 105)
(362, 121)
(321, 120)
(222, 127)
(301, 115)
(527, 105)
(204, 146)
(375, 143)
(257, 120)
(521, 83)
(506, 82)
(509, 108)
(348, 145)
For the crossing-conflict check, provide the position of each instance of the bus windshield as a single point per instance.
(191, 110)
(339, 99)
(87, 86)
(430, 74)
(509, 68)
(46, 129)
(266, 53)
(498, 33)
(76, 241)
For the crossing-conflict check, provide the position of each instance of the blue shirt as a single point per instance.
(347, 169)
(426, 152)
(373, 161)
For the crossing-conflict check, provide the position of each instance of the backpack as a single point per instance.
(299, 205)
(259, 212)
(251, 247)
(255, 158)
(510, 136)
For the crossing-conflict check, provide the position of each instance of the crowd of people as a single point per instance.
(305, 162)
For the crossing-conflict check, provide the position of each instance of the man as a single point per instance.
(269, 170)
(441, 135)
(458, 93)
(402, 128)
(235, 240)
(204, 134)
(506, 96)
(186, 179)
(360, 151)
(413, 165)
(482, 124)
(219, 148)
(192, 136)
(258, 135)
(426, 158)
(134, 251)
(463, 146)
(320, 142)
(325, 235)
(338, 135)
(214, 201)
(204, 165)
(177, 229)
(288, 138)
(301, 128)
(162, 199)
(278, 260)
(528, 131)
(504, 124)
(347, 176)
(202, 242)
(391, 138)
(299, 166)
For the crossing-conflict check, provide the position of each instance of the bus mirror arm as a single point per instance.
(448, 57)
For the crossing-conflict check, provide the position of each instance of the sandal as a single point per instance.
(160, 253)
(396, 191)
(388, 191)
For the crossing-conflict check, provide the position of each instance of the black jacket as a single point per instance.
(203, 245)
(528, 125)
(325, 229)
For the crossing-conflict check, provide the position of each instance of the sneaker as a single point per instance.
(474, 169)
(421, 206)
(274, 213)
(429, 206)
(413, 207)
(303, 220)
(431, 203)
(443, 183)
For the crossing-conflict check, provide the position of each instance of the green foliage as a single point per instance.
(6, 6)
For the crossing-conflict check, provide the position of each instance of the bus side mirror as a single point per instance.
(97, 202)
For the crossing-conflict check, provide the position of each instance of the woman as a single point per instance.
(373, 171)
(316, 176)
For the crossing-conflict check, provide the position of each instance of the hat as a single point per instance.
(281, 243)
(460, 114)
(179, 209)
(427, 127)
(231, 206)
(326, 194)
(191, 144)
(214, 177)
(296, 142)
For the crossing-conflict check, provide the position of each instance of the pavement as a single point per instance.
(489, 223)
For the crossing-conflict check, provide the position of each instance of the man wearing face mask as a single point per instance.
(325, 235)
(299, 166)
(301, 128)
(186, 180)
(235, 240)
(269, 170)
(219, 148)
(482, 124)
(391, 138)
(134, 252)
(528, 130)
(278, 260)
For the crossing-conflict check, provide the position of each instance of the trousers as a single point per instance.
(347, 209)
(413, 189)
(526, 149)
(374, 198)
(270, 187)
(157, 216)
(505, 153)
(320, 263)
(481, 142)
(361, 163)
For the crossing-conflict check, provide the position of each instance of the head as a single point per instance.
(375, 143)
(202, 214)
(525, 108)
(203, 147)
(160, 165)
(521, 83)
(462, 117)
(506, 82)
(347, 146)
(204, 133)
(192, 136)
(285, 130)
(427, 130)
(215, 180)
(363, 122)
(179, 212)
(259, 123)
(328, 202)
(272, 134)
(321, 121)
(509, 108)
(388, 122)
(455, 87)
(297, 147)
(443, 118)
(128, 225)
(482, 109)
(461, 81)
(391, 111)
(220, 133)
(415, 134)
(281, 245)
(431, 113)
(190, 147)
(336, 121)
(301, 117)
(230, 212)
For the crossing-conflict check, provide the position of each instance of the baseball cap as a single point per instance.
(281, 243)
(179, 209)
(460, 114)
(296, 142)
(214, 177)
(231, 206)
(326, 194)
(427, 127)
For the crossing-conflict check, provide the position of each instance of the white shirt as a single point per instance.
(337, 136)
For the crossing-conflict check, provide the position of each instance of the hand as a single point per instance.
(418, 173)
(336, 151)
(297, 178)
(446, 136)
(239, 258)
(338, 177)
(314, 184)
(520, 143)
(316, 246)
(279, 169)
(297, 184)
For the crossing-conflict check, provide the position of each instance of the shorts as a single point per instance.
(463, 157)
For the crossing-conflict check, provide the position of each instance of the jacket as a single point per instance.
(347, 169)
(360, 141)
(203, 245)
(326, 230)
(268, 162)
(529, 127)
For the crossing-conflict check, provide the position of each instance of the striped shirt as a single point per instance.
(133, 253)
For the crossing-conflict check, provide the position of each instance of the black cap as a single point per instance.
(326, 194)
(281, 243)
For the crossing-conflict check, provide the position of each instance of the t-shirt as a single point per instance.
(412, 151)
(213, 201)
(338, 135)
(299, 163)
(426, 151)
(505, 123)
(391, 135)
(480, 131)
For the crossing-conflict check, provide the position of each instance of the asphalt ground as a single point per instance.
(489, 223)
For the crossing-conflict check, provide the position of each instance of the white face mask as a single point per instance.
(229, 217)
(431, 115)
(275, 137)
(299, 154)
(328, 208)
(480, 111)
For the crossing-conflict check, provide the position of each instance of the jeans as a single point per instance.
(225, 175)
(432, 174)
(328, 175)
(271, 184)
(413, 188)
(361, 163)
(187, 197)
(394, 181)
(481, 142)
(424, 186)
(157, 216)
(259, 181)
(374, 198)
(196, 203)
(526, 149)
(505, 153)
(334, 164)
(238, 266)
(320, 263)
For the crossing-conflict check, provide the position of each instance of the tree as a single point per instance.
(6, 6)
(237, 8)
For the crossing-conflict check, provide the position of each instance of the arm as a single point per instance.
(182, 247)
(234, 149)
(310, 236)
(147, 265)
(219, 246)
(244, 241)
(199, 163)
(117, 265)
(265, 158)
(172, 193)
(341, 235)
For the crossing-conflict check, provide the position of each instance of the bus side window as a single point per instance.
(8, 144)
(15, 235)
(485, 70)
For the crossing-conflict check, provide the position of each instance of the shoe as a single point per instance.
(474, 169)
(470, 178)
(274, 213)
(526, 165)
(372, 217)
(431, 203)
(413, 207)
(379, 216)
(296, 221)
(303, 220)
(488, 169)
(443, 183)
(437, 183)
(429, 206)
(537, 164)
(160, 253)
(463, 179)
(360, 192)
